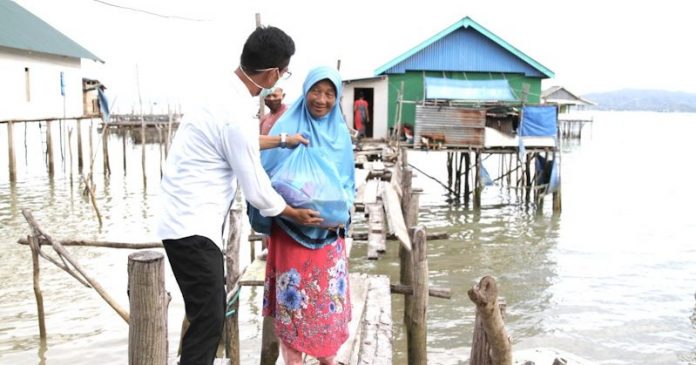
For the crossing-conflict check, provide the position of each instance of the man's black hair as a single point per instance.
(267, 47)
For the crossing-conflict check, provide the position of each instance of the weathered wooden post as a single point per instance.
(478, 187)
(405, 256)
(49, 149)
(417, 331)
(34, 244)
(123, 143)
(494, 347)
(105, 148)
(232, 282)
(147, 330)
(11, 153)
(80, 162)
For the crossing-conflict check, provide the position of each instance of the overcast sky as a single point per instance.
(590, 45)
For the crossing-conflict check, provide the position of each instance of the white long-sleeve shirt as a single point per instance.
(213, 148)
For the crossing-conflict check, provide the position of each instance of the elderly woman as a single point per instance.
(306, 289)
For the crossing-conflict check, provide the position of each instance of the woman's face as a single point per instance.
(321, 98)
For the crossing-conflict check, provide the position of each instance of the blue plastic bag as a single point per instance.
(307, 180)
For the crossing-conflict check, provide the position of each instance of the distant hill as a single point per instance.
(648, 100)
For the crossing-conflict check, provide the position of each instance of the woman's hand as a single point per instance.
(295, 140)
(305, 217)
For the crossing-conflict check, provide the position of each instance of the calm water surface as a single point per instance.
(609, 279)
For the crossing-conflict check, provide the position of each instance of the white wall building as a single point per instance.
(40, 68)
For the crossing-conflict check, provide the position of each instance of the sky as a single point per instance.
(179, 54)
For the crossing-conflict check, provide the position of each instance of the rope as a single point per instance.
(235, 297)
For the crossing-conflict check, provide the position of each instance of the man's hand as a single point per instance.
(293, 141)
(305, 217)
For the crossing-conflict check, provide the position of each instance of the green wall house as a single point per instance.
(463, 51)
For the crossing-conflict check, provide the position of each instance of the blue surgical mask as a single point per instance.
(265, 92)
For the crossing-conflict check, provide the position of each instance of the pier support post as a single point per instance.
(231, 334)
(491, 344)
(105, 148)
(11, 154)
(80, 161)
(417, 329)
(478, 188)
(147, 330)
(49, 148)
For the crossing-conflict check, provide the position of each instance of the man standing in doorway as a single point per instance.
(361, 114)
(216, 146)
(274, 102)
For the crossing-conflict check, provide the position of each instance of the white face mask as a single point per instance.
(264, 91)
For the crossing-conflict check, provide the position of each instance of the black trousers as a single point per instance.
(197, 264)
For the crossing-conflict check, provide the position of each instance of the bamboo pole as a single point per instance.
(485, 296)
(11, 154)
(147, 330)
(123, 143)
(231, 328)
(37, 289)
(92, 199)
(417, 330)
(49, 149)
(64, 254)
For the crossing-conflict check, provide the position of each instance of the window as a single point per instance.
(27, 84)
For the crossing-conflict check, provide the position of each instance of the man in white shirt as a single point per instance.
(215, 147)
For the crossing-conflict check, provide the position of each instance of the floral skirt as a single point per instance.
(307, 292)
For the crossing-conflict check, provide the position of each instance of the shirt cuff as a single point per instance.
(277, 208)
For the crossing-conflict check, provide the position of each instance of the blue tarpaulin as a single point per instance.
(479, 90)
(538, 121)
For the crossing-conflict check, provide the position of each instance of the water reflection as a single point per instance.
(606, 279)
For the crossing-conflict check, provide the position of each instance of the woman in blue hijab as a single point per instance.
(306, 289)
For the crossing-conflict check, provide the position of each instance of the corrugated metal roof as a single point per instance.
(466, 46)
(23, 30)
(560, 95)
(452, 126)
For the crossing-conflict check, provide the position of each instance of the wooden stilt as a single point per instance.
(495, 348)
(417, 330)
(37, 289)
(147, 329)
(459, 173)
(11, 153)
(143, 140)
(105, 148)
(527, 178)
(405, 256)
(449, 170)
(478, 188)
(49, 148)
(270, 347)
(123, 142)
(68, 146)
(233, 288)
(80, 161)
(91, 145)
(467, 173)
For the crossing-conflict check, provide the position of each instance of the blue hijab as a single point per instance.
(329, 134)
